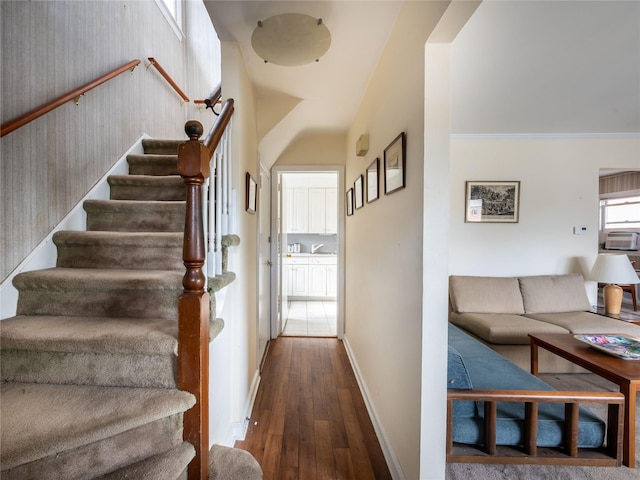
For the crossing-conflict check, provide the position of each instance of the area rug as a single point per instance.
(572, 382)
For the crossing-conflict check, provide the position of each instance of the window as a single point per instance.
(172, 7)
(623, 212)
(172, 11)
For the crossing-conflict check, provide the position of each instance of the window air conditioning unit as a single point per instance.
(621, 241)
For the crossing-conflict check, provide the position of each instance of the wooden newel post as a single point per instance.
(193, 305)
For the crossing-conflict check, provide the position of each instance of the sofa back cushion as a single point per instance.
(485, 295)
(554, 294)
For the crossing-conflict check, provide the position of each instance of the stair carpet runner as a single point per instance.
(89, 363)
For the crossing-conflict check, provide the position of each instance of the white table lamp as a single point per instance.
(613, 269)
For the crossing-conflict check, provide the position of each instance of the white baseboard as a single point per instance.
(238, 430)
(44, 255)
(389, 455)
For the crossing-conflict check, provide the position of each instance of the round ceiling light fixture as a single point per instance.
(291, 39)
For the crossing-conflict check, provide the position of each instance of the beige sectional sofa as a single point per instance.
(502, 311)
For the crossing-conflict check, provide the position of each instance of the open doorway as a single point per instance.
(307, 228)
(619, 229)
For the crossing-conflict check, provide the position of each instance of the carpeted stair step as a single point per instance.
(151, 164)
(147, 187)
(80, 432)
(135, 216)
(140, 352)
(99, 292)
(161, 147)
(170, 465)
(142, 250)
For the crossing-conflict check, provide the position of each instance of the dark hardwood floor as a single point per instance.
(312, 423)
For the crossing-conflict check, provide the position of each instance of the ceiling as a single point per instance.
(518, 67)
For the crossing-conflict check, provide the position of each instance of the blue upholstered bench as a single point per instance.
(477, 371)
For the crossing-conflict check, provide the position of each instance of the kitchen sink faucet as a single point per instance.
(315, 247)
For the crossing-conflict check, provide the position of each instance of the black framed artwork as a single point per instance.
(358, 192)
(349, 201)
(251, 195)
(492, 202)
(394, 165)
(373, 180)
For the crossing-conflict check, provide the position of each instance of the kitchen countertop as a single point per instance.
(308, 254)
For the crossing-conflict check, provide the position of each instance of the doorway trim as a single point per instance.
(276, 290)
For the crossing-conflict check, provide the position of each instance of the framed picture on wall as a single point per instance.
(349, 201)
(373, 180)
(358, 192)
(252, 194)
(492, 202)
(394, 165)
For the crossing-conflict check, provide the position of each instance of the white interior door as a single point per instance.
(265, 264)
(276, 254)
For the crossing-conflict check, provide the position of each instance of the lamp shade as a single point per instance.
(613, 268)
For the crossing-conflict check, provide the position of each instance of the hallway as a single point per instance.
(309, 420)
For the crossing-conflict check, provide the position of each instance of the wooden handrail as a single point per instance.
(167, 77)
(22, 120)
(212, 100)
(215, 134)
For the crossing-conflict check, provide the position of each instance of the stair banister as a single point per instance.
(22, 120)
(193, 305)
(195, 159)
(217, 142)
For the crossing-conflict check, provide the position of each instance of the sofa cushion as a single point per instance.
(554, 294)
(503, 329)
(458, 378)
(457, 375)
(485, 295)
(587, 322)
(488, 370)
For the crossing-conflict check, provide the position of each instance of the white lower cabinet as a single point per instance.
(332, 280)
(299, 280)
(317, 280)
(310, 276)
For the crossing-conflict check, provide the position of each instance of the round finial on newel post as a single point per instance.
(193, 129)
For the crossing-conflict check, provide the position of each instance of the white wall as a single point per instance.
(315, 149)
(558, 190)
(240, 340)
(384, 270)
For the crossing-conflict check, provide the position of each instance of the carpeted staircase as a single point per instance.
(89, 363)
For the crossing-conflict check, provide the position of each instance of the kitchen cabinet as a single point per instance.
(298, 210)
(311, 210)
(296, 273)
(332, 280)
(331, 210)
(310, 276)
(317, 210)
(317, 280)
(299, 280)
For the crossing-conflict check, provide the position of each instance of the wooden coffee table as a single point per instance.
(624, 373)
